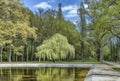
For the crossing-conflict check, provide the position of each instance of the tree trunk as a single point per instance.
(23, 56)
(32, 50)
(16, 58)
(111, 51)
(10, 52)
(82, 51)
(1, 50)
(27, 54)
(39, 59)
(100, 54)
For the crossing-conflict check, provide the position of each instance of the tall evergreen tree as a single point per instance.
(59, 15)
(82, 25)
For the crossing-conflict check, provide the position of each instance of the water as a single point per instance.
(43, 74)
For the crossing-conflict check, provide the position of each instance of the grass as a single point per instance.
(108, 64)
(117, 69)
(48, 62)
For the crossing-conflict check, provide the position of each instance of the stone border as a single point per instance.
(88, 77)
(47, 65)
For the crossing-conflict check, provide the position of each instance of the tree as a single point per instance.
(55, 48)
(82, 25)
(3, 40)
(104, 23)
(59, 14)
(113, 11)
(49, 24)
(16, 25)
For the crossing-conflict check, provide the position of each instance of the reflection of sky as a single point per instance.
(69, 7)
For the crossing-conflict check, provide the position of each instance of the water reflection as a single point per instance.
(42, 74)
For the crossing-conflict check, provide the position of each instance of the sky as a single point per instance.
(69, 7)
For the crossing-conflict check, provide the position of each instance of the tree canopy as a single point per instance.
(23, 32)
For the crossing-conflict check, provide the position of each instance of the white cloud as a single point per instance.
(43, 5)
(70, 15)
(71, 11)
(69, 7)
(75, 22)
(86, 6)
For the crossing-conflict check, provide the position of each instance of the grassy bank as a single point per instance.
(48, 62)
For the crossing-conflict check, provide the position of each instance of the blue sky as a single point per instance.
(69, 7)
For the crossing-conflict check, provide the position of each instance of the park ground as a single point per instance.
(106, 71)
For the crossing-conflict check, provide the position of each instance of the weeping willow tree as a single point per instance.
(56, 48)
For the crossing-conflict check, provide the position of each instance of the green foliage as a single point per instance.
(106, 52)
(5, 56)
(14, 26)
(22, 30)
(48, 24)
(56, 48)
(103, 25)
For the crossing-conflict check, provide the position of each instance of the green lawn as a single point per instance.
(48, 62)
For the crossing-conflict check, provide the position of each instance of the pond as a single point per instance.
(43, 74)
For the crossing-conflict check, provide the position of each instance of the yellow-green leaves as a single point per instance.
(55, 48)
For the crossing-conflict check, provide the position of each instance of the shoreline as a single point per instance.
(47, 65)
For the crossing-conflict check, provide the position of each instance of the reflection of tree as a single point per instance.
(80, 74)
(15, 74)
(1, 74)
(55, 74)
(17, 78)
(12, 74)
(42, 74)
